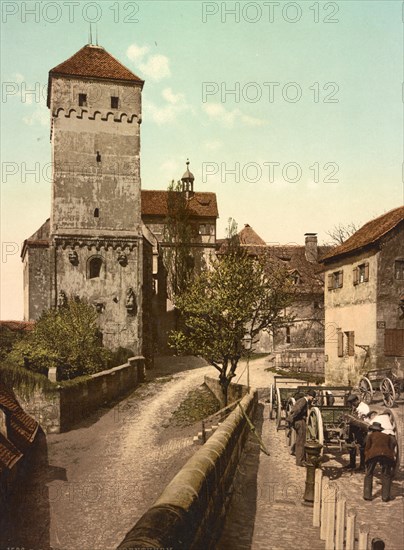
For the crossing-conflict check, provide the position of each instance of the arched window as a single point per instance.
(94, 267)
(97, 213)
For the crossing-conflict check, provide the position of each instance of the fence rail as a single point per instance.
(338, 523)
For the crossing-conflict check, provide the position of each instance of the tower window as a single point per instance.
(97, 213)
(114, 102)
(82, 100)
(288, 335)
(94, 268)
(98, 156)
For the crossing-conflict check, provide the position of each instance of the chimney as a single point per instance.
(310, 244)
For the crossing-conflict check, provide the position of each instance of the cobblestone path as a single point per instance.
(100, 478)
(266, 511)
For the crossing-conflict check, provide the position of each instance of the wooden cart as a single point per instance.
(386, 381)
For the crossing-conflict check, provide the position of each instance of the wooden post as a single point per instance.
(350, 530)
(363, 537)
(340, 523)
(330, 533)
(318, 480)
(325, 495)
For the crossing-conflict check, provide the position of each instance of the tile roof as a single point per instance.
(95, 62)
(247, 236)
(22, 428)
(201, 205)
(368, 235)
(17, 325)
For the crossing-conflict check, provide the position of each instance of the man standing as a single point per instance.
(297, 420)
(357, 432)
(379, 449)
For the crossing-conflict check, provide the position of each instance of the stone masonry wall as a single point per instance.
(192, 506)
(59, 410)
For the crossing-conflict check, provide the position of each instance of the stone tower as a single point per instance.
(95, 234)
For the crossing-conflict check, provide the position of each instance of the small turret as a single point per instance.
(188, 182)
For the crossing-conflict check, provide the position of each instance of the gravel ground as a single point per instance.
(100, 478)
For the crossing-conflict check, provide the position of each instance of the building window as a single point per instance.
(296, 279)
(98, 157)
(114, 102)
(94, 268)
(288, 335)
(361, 274)
(203, 229)
(82, 100)
(399, 270)
(97, 213)
(335, 280)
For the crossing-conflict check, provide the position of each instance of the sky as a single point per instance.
(291, 112)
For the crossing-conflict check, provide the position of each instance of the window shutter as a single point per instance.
(367, 272)
(340, 344)
(355, 275)
(330, 281)
(341, 278)
(351, 343)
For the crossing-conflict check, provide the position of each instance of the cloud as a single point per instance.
(213, 145)
(39, 116)
(171, 97)
(136, 53)
(229, 117)
(156, 67)
(169, 111)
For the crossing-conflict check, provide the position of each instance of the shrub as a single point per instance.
(68, 339)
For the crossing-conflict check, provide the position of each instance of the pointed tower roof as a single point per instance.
(188, 176)
(93, 62)
(248, 237)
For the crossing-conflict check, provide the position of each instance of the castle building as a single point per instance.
(92, 246)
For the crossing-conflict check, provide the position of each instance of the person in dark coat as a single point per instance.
(379, 449)
(357, 432)
(297, 420)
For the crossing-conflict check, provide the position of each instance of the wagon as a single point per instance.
(386, 381)
(282, 395)
(330, 424)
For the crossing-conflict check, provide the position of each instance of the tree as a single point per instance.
(177, 252)
(341, 232)
(67, 338)
(238, 294)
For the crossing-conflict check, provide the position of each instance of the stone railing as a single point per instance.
(58, 410)
(191, 508)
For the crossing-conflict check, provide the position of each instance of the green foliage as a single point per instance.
(25, 381)
(239, 294)
(67, 338)
(177, 256)
(8, 338)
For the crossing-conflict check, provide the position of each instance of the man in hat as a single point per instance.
(297, 419)
(379, 449)
(357, 433)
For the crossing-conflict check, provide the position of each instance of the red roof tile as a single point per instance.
(201, 205)
(95, 62)
(22, 427)
(368, 235)
(17, 325)
(9, 454)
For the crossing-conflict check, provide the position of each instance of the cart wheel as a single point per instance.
(315, 430)
(290, 434)
(278, 409)
(388, 392)
(398, 449)
(271, 400)
(366, 390)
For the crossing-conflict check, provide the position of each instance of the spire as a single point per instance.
(188, 181)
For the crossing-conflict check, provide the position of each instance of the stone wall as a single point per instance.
(234, 392)
(309, 360)
(60, 409)
(191, 508)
